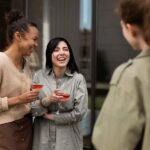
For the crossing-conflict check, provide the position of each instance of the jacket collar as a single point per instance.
(144, 53)
(67, 73)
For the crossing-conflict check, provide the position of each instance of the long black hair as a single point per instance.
(51, 47)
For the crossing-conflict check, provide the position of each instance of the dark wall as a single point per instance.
(111, 46)
(18, 4)
(4, 7)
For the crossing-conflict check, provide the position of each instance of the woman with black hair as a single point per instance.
(58, 128)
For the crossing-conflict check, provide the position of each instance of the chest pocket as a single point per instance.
(119, 72)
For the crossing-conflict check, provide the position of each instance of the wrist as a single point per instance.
(18, 100)
(14, 101)
(45, 102)
(51, 117)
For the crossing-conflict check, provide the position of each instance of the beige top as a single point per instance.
(12, 83)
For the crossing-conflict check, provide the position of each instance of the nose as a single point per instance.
(61, 51)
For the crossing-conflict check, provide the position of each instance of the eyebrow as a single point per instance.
(63, 47)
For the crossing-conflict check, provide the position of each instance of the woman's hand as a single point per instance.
(63, 96)
(55, 97)
(24, 98)
(29, 96)
(48, 116)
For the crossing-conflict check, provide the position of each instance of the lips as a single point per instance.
(61, 59)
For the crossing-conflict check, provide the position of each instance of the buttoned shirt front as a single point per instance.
(65, 130)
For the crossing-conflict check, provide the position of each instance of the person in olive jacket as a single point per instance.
(124, 121)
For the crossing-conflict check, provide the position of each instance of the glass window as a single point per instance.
(72, 20)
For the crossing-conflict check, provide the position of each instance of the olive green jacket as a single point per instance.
(124, 121)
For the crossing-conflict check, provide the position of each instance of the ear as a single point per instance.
(132, 29)
(17, 36)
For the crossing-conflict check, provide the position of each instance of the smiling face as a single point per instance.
(60, 55)
(29, 41)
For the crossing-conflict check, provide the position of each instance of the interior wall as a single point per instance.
(4, 7)
(112, 48)
(62, 20)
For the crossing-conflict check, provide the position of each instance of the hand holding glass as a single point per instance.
(64, 97)
(35, 109)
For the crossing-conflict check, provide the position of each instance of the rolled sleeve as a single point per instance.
(3, 104)
(45, 102)
(37, 109)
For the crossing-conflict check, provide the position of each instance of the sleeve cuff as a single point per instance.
(4, 104)
(56, 118)
(45, 102)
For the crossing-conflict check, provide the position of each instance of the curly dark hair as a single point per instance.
(16, 21)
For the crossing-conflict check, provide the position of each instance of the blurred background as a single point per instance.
(93, 29)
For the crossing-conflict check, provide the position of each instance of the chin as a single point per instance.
(29, 53)
(62, 66)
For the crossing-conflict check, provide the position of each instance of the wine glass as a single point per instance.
(64, 98)
(36, 86)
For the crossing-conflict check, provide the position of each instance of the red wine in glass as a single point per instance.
(37, 86)
(66, 96)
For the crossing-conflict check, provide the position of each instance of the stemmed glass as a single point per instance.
(64, 98)
(36, 86)
(35, 110)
